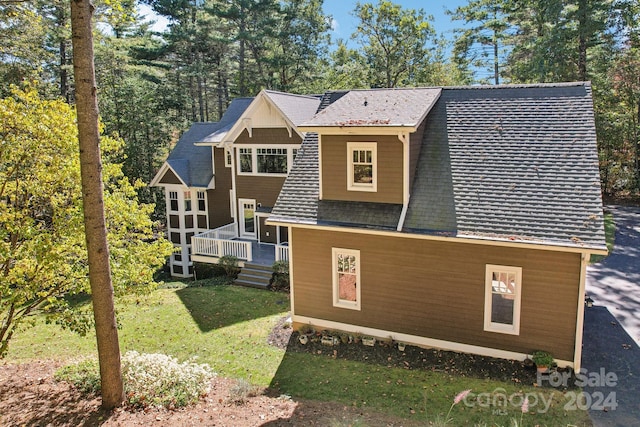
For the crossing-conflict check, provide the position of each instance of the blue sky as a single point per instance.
(344, 22)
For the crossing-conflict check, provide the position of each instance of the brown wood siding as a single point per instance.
(170, 178)
(218, 203)
(264, 189)
(268, 136)
(267, 229)
(335, 164)
(415, 144)
(437, 290)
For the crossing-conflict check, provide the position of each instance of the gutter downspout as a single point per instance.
(577, 354)
(404, 138)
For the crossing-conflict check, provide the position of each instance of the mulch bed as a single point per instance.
(417, 358)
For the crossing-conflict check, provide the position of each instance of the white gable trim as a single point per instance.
(261, 113)
(155, 182)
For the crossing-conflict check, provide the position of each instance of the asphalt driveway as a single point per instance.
(611, 342)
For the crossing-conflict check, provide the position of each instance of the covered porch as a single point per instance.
(211, 245)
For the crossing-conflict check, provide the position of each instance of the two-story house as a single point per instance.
(457, 218)
(222, 179)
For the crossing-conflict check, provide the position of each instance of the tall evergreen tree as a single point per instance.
(395, 42)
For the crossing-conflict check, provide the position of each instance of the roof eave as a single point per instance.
(359, 130)
(480, 240)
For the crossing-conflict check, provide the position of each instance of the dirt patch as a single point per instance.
(30, 396)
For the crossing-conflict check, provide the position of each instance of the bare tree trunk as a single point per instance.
(582, 40)
(92, 196)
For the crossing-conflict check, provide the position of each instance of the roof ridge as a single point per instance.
(290, 94)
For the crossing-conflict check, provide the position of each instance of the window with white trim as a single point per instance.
(173, 201)
(245, 160)
(265, 160)
(202, 205)
(346, 278)
(503, 289)
(362, 174)
(187, 201)
(272, 160)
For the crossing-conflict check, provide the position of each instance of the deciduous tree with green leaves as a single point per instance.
(43, 259)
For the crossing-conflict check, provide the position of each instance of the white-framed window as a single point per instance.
(228, 157)
(187, 201)
(346, 278)
(272, 160)
(362, 164)
(503, 291)
(265, 161)
(202, 202)
(173, 201)
(245, 160)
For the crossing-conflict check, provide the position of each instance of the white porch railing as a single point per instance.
(218, 243)
(226, 232)
(282, 252)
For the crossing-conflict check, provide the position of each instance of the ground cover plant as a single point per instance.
(241, 334)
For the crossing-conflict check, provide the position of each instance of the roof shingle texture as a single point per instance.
(378, 107)
(297, 108)
(518, 163)
(498, 163)
(192, 163)
(228, 119)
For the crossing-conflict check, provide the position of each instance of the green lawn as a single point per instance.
(228, 326)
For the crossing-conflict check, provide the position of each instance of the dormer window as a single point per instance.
(362, 166)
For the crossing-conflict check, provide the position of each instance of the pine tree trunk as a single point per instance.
(92, 195)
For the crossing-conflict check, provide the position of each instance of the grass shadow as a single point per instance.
(213, 307)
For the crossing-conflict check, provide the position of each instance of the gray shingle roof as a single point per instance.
(228, 119)
(515, 163)
(377, 107)
(192, 163)
(296, 107)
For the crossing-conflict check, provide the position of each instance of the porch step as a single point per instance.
(254, 276)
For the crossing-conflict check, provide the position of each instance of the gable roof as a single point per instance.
(274, 109)
(228, 119)
(296, 108)
(404, 107)
(191, 162)
(507, 163)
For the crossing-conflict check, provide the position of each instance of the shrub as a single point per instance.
(241, 391)
(149, 379)
(230, 265)
(160, 380)
(280, 278)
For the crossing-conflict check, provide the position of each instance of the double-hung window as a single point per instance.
(346, 278)
(362, 164)
(246, 160)
(503, 290)
(187, 201)
(202, 203)
(173, 201)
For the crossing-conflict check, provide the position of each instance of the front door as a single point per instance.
(247, 220)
